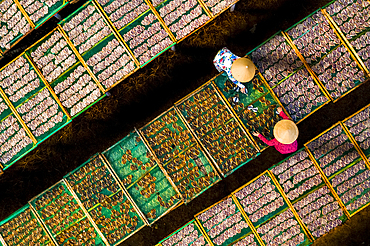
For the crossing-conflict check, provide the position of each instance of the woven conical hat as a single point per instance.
(286, 131)
(243, 69)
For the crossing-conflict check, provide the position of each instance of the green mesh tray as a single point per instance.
(297, 175)
(15, 142)
(216, 128)
(80, 233)
(352, 17)
(260, 199)
(42, 114)
(146, 37)
(300, 95)
(194, 13)
(154, 195)
(47, 55)
(167, 135)
(192, 172)
(189, 234)
(19, 80)
(76, 90)
(319, 211)
(109, 61)
(57, 208)
(313, 37)
(223, 222)
(4, 108)
(14, 23)
(361, 44)
(275, 59)
(352, 185)
(85, 27)
(130, 159)
(116, 218)
(339, 72)
(359, 127)
(92, 182)
(283, 229)
(23, 228)
(39, 11)
(248, 239)
(333, 150)
(120, 13)
(263, 120)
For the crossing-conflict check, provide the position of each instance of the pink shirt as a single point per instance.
(282, 148)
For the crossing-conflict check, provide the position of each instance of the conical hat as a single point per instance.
(286, 131)
(243, 69)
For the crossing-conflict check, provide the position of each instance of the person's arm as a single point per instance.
(282, 114)
(268, 142)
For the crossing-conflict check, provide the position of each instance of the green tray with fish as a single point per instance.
(23, 228)
(361, 46)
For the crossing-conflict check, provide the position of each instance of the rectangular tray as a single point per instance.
(223, 222)
(20, 79)
(275, 59)
(182, 17)
(260, 199)
(216, 7)
(146, 37)
(16, 24)
(300, 95)
(361, 46)
(297, 175)
(14, 139)
(42, 114)
(23, 228)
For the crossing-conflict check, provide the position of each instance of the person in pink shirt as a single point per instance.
(285, 133)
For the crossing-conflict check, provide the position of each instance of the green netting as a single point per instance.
(76, 90)
(52, 55)
(167, 135)
(223, 222)
(121, 13)
(361, 44)
(191, 172)
(80, 233)
(333, 150)
(130, 159)
(57, 208)
(297, 175)
(249, 239)
(92, 182)
(85, 27)
(261, 199)
(154, 195)
(146, 37)
(109, 61)
(313, 37)
(42, 114)
(19, 80)
(116, 218)
(216, 128)
(353, 186)
(300, 95)
(189, 10)
(262, 121)
(4, 108)
(339, 72)
(352, 17)
(13, 23)
(216, 7)
(275, 59)
(189, 234)
(319, 211)
(39, 11)
(23, 228)
(283, 229)
(359, 127)
(14, 140)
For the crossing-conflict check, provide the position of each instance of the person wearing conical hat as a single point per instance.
(285, 133)
(238, 69)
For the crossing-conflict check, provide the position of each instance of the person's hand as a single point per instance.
(256, 134)
(279, 109)
(242, 90)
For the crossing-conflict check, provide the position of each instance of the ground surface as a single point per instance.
(155, 88)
